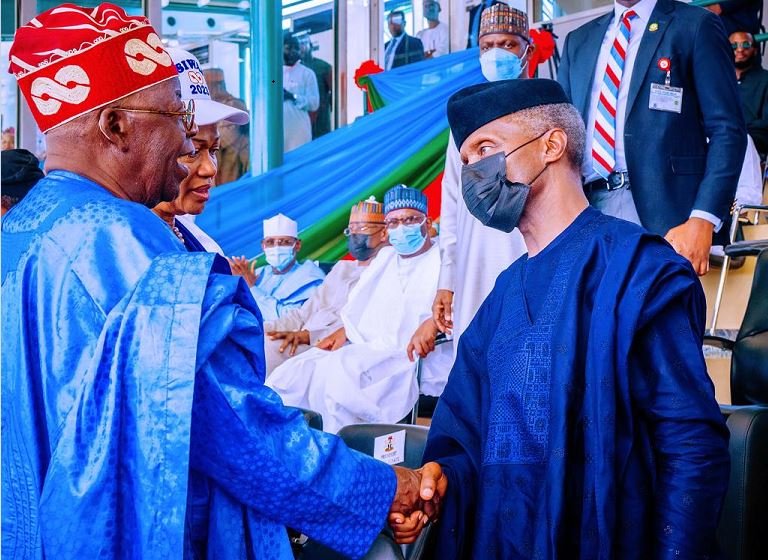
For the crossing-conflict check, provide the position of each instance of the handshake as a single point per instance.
(417, 500)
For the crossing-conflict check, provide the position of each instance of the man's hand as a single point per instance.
(442, 311)
(291, 340)
(417, 499)
(406, 529)
(333, 341)
(423, 340)
(241, 267)
(692, 240)
(288, 96)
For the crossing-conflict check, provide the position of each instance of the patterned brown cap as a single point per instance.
(369, 211)
(500, 18)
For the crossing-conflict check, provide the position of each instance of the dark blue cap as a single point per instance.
(476, 106)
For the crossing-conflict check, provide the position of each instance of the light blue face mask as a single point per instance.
(279, 257)
(501, 64)
(407, 240)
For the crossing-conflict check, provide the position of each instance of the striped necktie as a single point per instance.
(604, 137)
(389, 55)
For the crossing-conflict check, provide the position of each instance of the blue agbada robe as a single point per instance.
(276, 294)
(191, 243)
(135, 422)
(579, 420)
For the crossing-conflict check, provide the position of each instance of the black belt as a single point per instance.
(616, 180)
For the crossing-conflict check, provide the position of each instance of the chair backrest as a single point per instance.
(744, 519)
(325, 266)
(362, 437)
(749, 363)
(314, 419)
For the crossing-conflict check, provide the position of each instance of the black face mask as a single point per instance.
(490, 197)
(357, 243)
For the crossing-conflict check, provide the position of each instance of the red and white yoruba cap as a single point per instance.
(71, 60)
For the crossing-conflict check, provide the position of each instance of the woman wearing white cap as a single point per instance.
(194, 191)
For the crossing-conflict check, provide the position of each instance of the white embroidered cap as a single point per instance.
(280, 226)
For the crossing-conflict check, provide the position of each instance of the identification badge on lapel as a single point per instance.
(666, 98)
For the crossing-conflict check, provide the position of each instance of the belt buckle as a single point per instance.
(615, 180)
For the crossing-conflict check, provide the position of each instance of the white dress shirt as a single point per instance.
(643, 9)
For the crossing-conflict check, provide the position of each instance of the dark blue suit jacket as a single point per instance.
(410, 49)
(672, 169)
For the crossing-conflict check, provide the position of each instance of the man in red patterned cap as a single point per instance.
(135, 419)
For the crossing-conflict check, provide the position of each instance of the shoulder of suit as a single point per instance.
(588, 28)
(689, 10)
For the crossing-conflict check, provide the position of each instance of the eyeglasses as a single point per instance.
(364, 229)
(187, 115)
(743, 45)
(279, 242)
(393, 223)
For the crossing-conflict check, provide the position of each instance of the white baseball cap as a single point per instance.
(193, 86)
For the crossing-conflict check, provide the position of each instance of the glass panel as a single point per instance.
(311, 114)
(218, 34)
(432, 32)
(8, 92)
(405, 6)
(357, 32)
(132, 7)
(547, 10)
(431, 23)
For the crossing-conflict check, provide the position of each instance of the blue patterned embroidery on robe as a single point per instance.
(109, 327)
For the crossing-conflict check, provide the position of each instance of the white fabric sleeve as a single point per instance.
(448, 216)
(750, 187)
(711, 218)
(293, 320)
(442, 44)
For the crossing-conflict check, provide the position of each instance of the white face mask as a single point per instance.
(279, 257)
(501, 64)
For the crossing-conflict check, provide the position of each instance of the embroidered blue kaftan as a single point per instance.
(276, 294)
(135, 421)
(579, 421)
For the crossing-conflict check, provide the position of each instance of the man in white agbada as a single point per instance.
(300, 96)
(362, 372)
(435, 37)
(320, 316)
(473, 255)
(283, 283)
